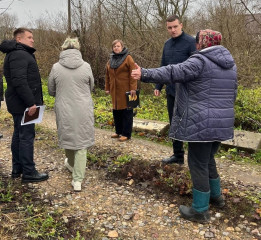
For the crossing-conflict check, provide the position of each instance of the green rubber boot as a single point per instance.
(199, 210)
(216, 197)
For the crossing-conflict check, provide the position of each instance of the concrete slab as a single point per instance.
(244, 140)
(249, 141)
(151, 126)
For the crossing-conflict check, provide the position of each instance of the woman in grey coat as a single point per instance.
(71, 82)
(203, 114)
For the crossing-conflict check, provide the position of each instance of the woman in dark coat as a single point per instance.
(203, 114)
(118, 81)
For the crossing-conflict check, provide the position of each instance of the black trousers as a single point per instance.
(178, 149)
(202, 164)
(123, 120)
(23, 146)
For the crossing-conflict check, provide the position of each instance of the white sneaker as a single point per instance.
(67, 165)
(77, 186)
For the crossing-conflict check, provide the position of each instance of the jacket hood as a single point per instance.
(219, 55)
(71, 58)
(8, 46)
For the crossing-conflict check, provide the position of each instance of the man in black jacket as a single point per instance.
(24, 90)
(177, 49)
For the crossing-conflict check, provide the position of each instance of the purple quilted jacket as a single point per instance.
(205, 95)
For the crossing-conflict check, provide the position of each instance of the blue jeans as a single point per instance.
(23, 146)
(202, 164)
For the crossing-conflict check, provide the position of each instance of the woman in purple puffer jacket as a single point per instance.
(203, 114)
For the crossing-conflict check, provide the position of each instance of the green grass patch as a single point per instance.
(6, 192)
(247, 108)
(48, 100)
(238, 155)
(36, 219)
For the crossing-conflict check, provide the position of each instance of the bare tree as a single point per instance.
(69, 17)
(254, 10)
(231, 18)
(5, 5)
(141, 24)
(7, 25)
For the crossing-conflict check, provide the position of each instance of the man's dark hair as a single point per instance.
(173, 18)
(20, 31)
(197, 37)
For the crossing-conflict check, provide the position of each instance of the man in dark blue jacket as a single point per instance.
(24, 90)
(177, 49)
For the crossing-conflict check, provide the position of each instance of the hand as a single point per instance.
(107, 92)
(156, 92)
(32, 110)
(133, 93)
(136, 73)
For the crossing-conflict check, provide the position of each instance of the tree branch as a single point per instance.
(7, 8)
(253, 16)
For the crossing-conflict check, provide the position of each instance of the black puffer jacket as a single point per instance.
(24, 88)
(1, 89)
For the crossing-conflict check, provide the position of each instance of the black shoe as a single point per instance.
(16, 173)
(1, 135)
(35, 177)
(217, 202)
(191, 214)
(173, 159)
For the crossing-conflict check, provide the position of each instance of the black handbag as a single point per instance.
(133, 102)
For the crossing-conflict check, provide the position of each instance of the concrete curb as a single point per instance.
(151, 126)
(249, 141)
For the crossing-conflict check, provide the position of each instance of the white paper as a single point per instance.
(37, 120)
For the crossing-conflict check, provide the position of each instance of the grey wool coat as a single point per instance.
(71, 82)
(205, 95)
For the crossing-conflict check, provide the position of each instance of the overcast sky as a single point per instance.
(26, 10)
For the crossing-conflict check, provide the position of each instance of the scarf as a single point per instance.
(117, 59)
(207, 38)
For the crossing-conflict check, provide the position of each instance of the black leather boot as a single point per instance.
(16, 173)
(173, 159)
(35, 177)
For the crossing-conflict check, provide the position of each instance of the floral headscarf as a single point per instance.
(207, 38)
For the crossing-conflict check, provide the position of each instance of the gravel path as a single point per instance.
(128, 211)
(149, 151)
